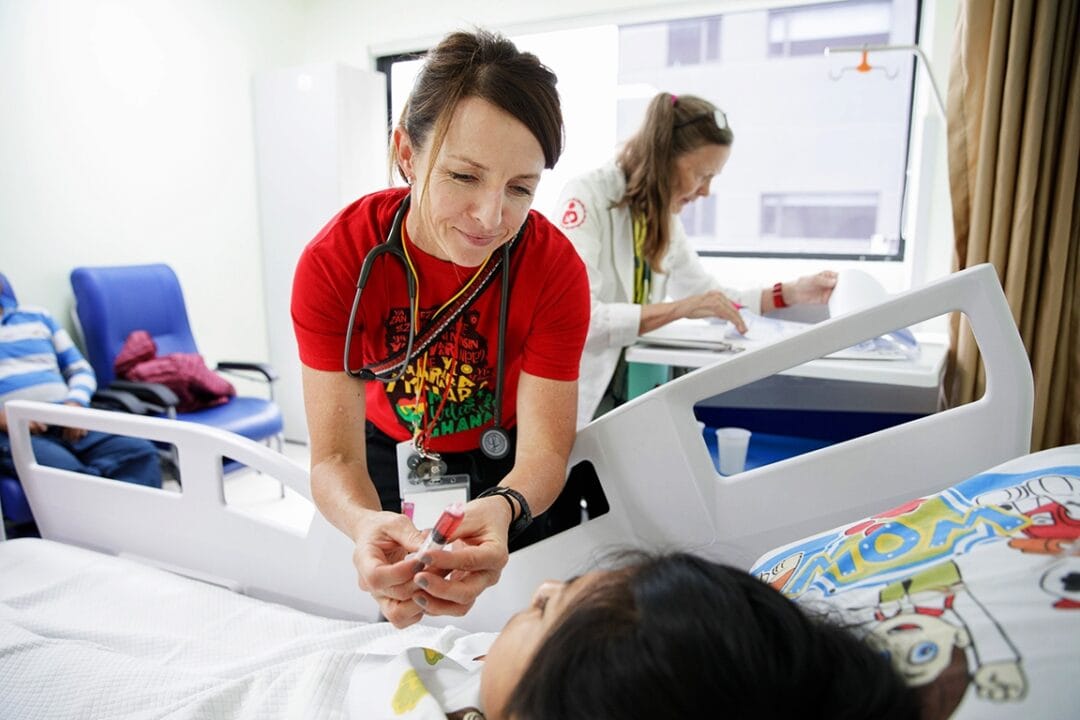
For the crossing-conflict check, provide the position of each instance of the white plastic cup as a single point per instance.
(731, 446)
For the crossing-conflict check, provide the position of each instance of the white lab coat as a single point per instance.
(604, 238)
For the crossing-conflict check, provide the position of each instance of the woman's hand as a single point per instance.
(451, 580)
(382, 544)
(815, 289)
(345, 495)
(713, 304)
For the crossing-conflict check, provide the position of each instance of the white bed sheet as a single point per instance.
(87, 635)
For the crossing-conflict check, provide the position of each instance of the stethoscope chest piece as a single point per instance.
(495, 443)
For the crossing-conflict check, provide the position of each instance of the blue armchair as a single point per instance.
(18, 518)
(111, 302)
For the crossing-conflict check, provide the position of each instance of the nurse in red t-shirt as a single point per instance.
(482, 123)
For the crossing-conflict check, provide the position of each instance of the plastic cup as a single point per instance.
(731, 446)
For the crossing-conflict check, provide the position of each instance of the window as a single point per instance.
(819, 164)
(699, 218)
(693, 42)
(823, 223)
(401, 72)
(809, 30)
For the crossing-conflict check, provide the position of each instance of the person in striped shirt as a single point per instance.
(38, 361)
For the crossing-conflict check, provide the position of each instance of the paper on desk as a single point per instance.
(855, 290)
(692, 334)
(761, 329)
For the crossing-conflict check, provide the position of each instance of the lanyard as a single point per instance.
(422, 432)
(642, 269)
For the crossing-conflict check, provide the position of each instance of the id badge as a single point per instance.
(424, 481)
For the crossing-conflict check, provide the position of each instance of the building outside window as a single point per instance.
(819, 161)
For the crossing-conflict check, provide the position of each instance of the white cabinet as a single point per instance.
(320, 143)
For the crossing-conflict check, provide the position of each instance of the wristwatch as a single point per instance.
(522, 521)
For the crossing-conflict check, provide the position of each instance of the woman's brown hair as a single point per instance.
(488, 66)
(674, 125)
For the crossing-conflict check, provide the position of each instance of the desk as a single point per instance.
(896, 386)
(827, 398)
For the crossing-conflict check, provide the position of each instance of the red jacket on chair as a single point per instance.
(186, 374)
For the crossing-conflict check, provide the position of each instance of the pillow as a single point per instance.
(973, 593)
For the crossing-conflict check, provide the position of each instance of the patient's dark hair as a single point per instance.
(679, 636)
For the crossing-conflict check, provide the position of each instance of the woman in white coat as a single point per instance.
(623, 219)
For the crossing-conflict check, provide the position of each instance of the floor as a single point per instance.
(263, 496)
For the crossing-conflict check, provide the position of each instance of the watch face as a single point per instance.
(495, 443)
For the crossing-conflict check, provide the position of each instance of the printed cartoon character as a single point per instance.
(889, 545)
(778, 575)
(868, 527)
(1062, 581)
(430, 675)
(924, 624)
(1051, 502)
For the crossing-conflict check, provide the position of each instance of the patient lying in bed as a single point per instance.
(971, 594)
(653, 637)
(89, 635)
(969, 597)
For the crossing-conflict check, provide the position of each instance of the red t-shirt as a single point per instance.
(547, 320)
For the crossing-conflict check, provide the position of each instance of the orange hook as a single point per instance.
(864, 66)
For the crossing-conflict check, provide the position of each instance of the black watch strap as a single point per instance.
(521, 521)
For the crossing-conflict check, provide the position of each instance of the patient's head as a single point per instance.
(675, 635)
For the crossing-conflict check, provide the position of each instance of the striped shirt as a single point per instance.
(38, 361)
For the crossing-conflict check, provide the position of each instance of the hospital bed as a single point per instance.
(104, 539)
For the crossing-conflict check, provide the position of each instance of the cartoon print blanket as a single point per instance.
(973, 593)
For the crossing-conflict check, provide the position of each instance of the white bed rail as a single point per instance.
(193, 532)
(649, 454)
(664, 490)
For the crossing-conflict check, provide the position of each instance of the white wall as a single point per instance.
(126, 133)
(126, 137)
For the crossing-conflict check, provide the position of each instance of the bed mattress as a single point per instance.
(87, 635)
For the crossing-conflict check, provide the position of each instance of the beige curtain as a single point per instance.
(1014, 149)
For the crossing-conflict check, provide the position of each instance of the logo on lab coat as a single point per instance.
(574, 214)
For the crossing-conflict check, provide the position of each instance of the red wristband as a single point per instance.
(778, 295)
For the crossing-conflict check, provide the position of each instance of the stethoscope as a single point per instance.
(495, 441)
